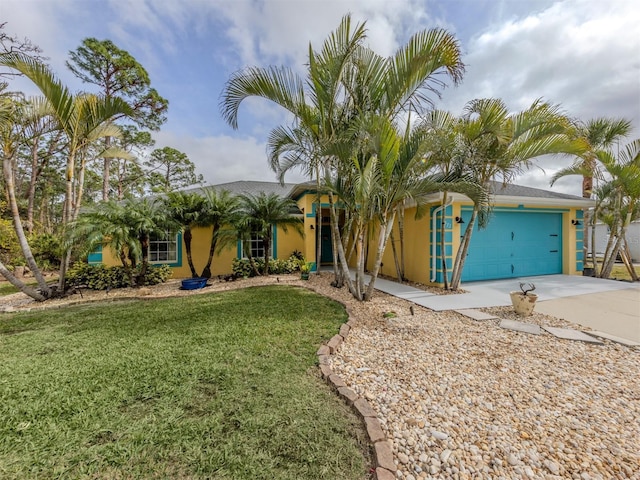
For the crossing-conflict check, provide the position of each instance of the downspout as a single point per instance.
(434, 231)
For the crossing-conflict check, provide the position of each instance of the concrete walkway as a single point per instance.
(606, 305)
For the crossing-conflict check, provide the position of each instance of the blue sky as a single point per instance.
(582, 54)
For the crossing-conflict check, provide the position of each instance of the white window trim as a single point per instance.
(168, 260)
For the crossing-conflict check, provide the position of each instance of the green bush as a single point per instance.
(242, 268)
(99, 277)
(46, 249)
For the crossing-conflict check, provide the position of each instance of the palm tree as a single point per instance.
(345, 80)
(599, 134)
(106, 225)
(389, 172)
(220, 211)
(186, 210)
(125, 228)
(494, 143)
(618, 198)
(12, 116)
(265, 212)
(83, 118)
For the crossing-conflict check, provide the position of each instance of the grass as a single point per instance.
(218, 386)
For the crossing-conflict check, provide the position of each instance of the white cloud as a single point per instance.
(222, 159)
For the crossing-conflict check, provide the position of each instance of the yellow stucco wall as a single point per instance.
(284, 246)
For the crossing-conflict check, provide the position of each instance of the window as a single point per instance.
(256, 246)
(163, 248)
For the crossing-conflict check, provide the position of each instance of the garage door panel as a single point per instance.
(515, 244)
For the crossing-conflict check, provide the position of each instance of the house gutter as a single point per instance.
(433, 236)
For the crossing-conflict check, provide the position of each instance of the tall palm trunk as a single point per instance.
(610, 251)
(443, 225)
(594, 260)
(7, 168)
(106, 172)
(267, 247)
(20, 285)
(458, 265)
(67, 215)
(340, 262)
(187, 245)
(386, 226)
(206, 273)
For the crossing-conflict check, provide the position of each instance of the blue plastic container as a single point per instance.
(194, 283)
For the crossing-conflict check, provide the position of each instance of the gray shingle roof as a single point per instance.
(248, 187)
(497, 188)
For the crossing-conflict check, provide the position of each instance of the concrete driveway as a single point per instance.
(609, 306)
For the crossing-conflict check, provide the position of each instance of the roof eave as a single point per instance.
(521, 200)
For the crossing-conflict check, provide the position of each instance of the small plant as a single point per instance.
(390, 314)
(527, 287)
(305, 267)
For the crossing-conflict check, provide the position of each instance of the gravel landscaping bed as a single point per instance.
(462, 399)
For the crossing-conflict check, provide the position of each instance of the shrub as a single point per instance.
(242, 268)
(99, 277)
(46, 249)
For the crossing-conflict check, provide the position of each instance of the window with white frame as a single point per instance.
(163, 248)
(255, 245)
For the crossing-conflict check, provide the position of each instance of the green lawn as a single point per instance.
(220, 386)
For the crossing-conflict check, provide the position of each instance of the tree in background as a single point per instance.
(83, 119)
(169, 169)
(128, 176)
(117, 73)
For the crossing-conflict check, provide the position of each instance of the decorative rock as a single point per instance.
(334, 343)
(552, 466)
(439, 435)
(325, 370)
(323, 350)
(364, 408)
(344, 330)
(336, 381)
(349, 395)
(444, 456)
(403, 458)
(512, 459)
(384, 474)
(374, 429)
(323, 359)
(384, 457)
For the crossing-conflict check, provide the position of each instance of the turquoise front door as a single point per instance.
(515, 244)
(326, 252)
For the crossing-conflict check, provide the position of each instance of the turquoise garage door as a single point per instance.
(515, 244)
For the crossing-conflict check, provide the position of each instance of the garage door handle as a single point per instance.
(553, 235)
(553, 251)
(512, 235)
(512, 268)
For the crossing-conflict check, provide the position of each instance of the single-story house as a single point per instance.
(531, 232)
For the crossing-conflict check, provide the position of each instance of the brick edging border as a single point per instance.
(385, 467)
